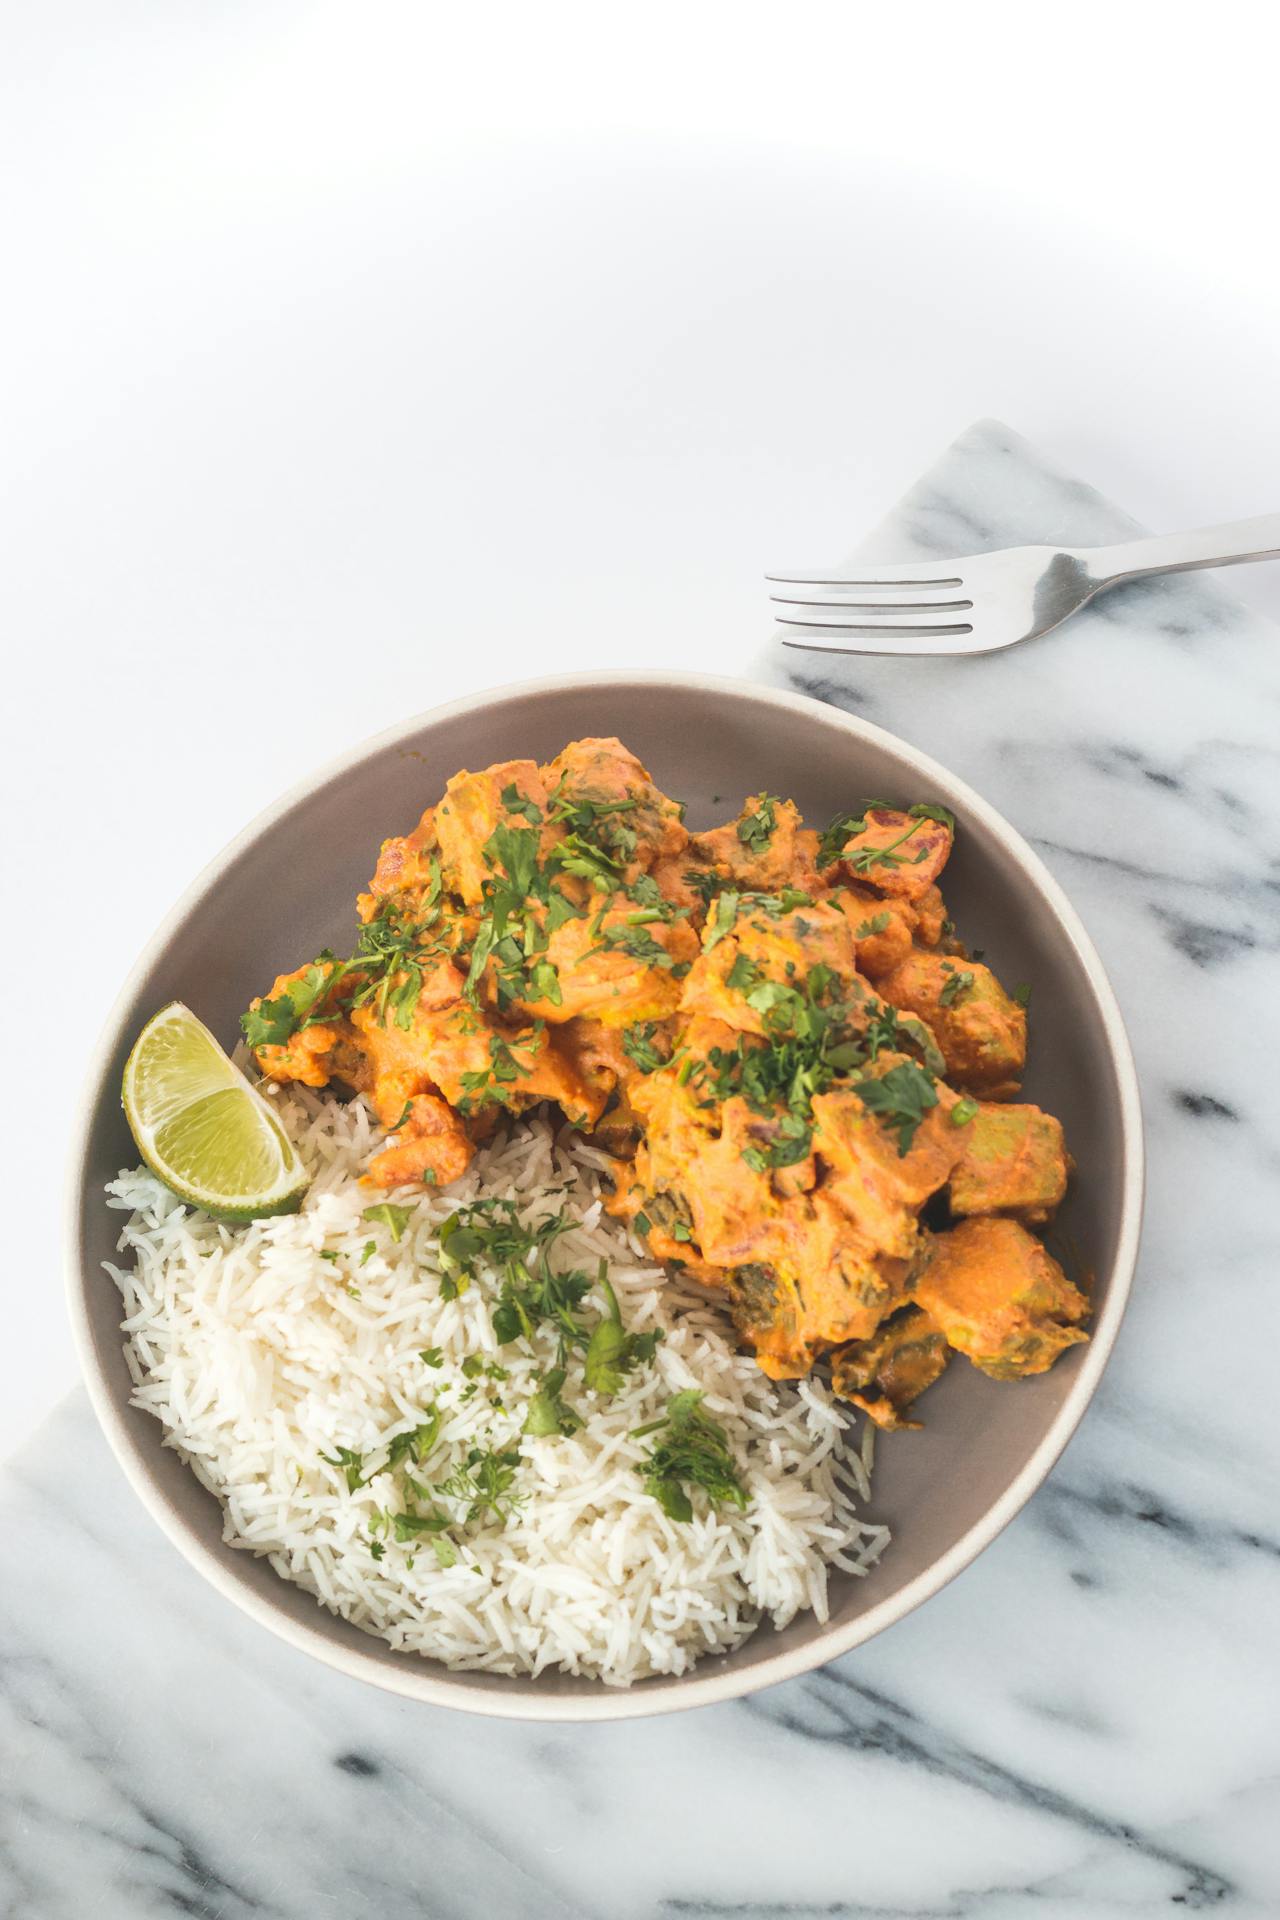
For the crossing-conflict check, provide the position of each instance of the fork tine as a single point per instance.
(867, 603)
(918, 574)
(902, 642)
(845, 619)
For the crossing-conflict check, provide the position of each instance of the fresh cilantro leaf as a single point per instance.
(638, 1045)
(352, 1464)
(417, 1443)
(515, 851)
(930, 810)
(514, 802)
(409, 1525)
(743, 975)
(863, 859)
(792, 1140)
(692, 1450)
(559, 910)
(394, 1219)
(836, 836)
(633, 937)
(722, 919)
(579, 856)
(954, 986)
(431, 1356)
(703, 881)
(900, 1098)
(483, 1484)
(272, 1022)
(756, 829)
(612, 1352)
(547, 1412)
(533, 1292)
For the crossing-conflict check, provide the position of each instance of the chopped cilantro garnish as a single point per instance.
(954, 985)
(863, 859)
(900, 1098)
(638, 1045)
(612, 1352)
(836, 836)
(514, 802)
(272, 1022)
(352, 1464)
(692, 1450)
(632, 936)
(703, 881)
(790, 1144)
(417, 1443)
(547, 1412)
(532, 1290)
(743, 975)
(394, 1219)
(409, 1525)
(483, 1484)
(722, 918)
(488, 1085)
(930, 810)
(756, 829)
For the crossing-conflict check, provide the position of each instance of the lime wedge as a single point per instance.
(202, 1128)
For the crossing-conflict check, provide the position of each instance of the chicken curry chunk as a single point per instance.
(805, 1082)
(1015, 1161)
(981, 1030)
(1000, 1297)
(885, 1374)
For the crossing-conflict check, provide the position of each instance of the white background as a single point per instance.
(355, 357)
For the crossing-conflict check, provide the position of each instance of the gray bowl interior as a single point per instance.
(289, 889)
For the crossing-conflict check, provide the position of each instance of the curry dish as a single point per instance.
(807, 1085)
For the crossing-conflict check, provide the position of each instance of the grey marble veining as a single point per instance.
(1087, 1723)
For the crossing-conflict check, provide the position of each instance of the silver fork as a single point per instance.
(991, 600)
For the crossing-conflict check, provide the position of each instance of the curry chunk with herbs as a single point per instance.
(885, 1374)
(803, 1078)
(980, 1029)
(1000, 1297)
(1015, 1161)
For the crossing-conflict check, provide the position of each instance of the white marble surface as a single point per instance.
(1087, 1723)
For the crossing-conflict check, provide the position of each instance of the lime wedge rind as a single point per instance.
(202, 1128)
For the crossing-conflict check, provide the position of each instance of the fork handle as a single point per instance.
(1178, 552)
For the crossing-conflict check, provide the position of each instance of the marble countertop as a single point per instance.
(1087, 1722)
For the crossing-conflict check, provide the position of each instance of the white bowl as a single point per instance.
(287, 887)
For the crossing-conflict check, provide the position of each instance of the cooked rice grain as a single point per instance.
(259, 1357)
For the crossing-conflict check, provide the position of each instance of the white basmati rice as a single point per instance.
(259, 1357)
